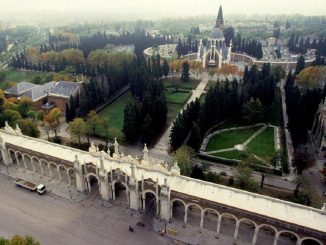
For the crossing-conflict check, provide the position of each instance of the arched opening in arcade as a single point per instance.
(178, 210)
(266, 235)
(53, 170)
(93, 185)
(36, 164)
(212, 60)
(149, 205)
(228, 224)
(120, 193)
(311, 241)
(287, 238)
(246, 230)
(63, 174)
(19, 159)
(28, 162)
(45, 167)
(210, 220)
(194, 214)
(12, 157)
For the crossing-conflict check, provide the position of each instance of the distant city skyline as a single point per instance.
(170, 8)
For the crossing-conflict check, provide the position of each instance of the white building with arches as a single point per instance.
(114, 176)
(214, 52)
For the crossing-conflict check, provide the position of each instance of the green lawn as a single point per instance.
(172, 83)
(178, 97)
(229, 139)
(263, 145)
(229, 155)
(19, 76)
(114, 112)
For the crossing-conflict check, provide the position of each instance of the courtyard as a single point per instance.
(234, 143)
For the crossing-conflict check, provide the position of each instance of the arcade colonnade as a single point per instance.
(136, 193)
(60, 172)
(138, 179)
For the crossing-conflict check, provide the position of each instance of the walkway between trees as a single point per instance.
(163, 144)
(288, 139)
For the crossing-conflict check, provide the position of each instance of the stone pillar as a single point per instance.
(254, 240)
(104, 187)
(4, 153)
(80, 182)
(186, 216)
(133, 190)
(69, 177)
(25, 165)
(235, 237)
(201, 220)
(113, 191)
(165, 206)
(59, 173)
(33, 166)
(17, 160)
(218, 225)
(144, 202)
(276, 239)
(49, 167)
(41, 167)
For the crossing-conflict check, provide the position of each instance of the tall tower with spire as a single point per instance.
(219, 21)
(215, 53)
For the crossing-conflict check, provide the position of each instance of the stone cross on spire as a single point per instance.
(220, 20)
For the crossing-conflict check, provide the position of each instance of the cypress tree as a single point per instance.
(165, 68)
(185, 76)
(195, 138)
(300, 65)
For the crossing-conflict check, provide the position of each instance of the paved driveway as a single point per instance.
(55, 221)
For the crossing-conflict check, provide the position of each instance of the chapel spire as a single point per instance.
(220, 20)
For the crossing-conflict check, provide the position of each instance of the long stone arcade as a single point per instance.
(143, 177)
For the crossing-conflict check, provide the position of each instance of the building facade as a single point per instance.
(113, 175)
(46, 96)
(215, 53)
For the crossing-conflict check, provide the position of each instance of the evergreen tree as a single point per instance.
(300, 65)
(165, 68)
(185, 75)
(131, 122)
(195, 137)
(158, 66)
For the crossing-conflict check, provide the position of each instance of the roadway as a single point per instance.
(52, 220)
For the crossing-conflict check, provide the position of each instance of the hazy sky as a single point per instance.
(172, 7)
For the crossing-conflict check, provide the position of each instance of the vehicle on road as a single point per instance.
(40, 189)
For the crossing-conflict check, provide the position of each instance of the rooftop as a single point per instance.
(20, 88)
(64, 89)
(216, 34)
(39, 92)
